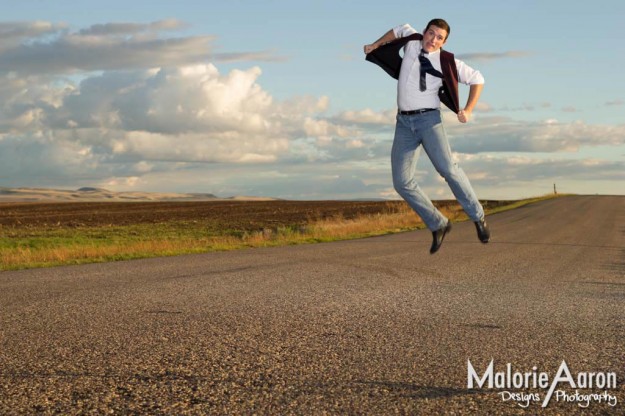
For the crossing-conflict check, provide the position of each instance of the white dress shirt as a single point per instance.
(409, 97)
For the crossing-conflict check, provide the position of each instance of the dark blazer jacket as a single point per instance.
(388, 58)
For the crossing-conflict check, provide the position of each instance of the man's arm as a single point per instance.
(387, 37)
(474, 94)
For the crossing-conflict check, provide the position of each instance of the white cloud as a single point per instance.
(39, 160)
(502, 134)
(159, 117)
(489, 56)
(180, 114)
(47, 48)
(505, 177)
(368, 116)
(14, 32)
(129, 120)
(197, 148)
(526, 107)
(264, 56)
(132, 28)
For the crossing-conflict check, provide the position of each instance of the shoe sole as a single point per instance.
(484, 241)
(447, 231)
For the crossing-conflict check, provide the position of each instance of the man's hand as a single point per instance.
(370, 48)
(387, 37)
(464, 116)
(474, 94)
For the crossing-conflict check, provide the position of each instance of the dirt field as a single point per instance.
(246, 215)
(237, 214)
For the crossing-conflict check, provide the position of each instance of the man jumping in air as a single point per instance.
(427, 76)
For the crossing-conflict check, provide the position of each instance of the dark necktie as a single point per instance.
(426, 67)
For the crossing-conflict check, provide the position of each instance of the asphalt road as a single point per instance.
(371, 326)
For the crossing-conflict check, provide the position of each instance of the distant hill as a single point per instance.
(90, 194)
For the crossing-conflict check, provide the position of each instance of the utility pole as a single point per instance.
(555, 192)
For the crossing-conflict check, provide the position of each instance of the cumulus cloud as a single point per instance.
(181, 114)
(368, 116)
(25, 101)
(155, 112)
(492, 133)
(39, 160)
(502, 134)
(170, 100)
(177, 115)
(492, 169)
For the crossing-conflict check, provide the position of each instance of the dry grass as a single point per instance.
(337, 228)
(367, 225)
(24, 257)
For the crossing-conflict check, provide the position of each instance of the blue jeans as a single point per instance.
(427, 129)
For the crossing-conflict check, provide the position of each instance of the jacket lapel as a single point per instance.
(448, 93)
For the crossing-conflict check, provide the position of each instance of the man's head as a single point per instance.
(435, 35)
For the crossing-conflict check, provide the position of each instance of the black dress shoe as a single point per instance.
(483, 233)
(438, 236)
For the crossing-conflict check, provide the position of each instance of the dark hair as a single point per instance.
(441, 24)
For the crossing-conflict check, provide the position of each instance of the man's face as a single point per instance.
(433, 38)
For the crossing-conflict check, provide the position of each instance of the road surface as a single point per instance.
(371, 326)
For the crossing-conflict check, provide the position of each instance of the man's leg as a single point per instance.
(404, 157)
(437, 147)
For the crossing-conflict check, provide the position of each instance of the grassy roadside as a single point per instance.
(24, 248)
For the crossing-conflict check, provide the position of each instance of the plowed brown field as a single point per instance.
(244, 215)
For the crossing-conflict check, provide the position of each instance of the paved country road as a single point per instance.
(372, 326)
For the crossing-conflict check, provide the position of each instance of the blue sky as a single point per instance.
(274, 98)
